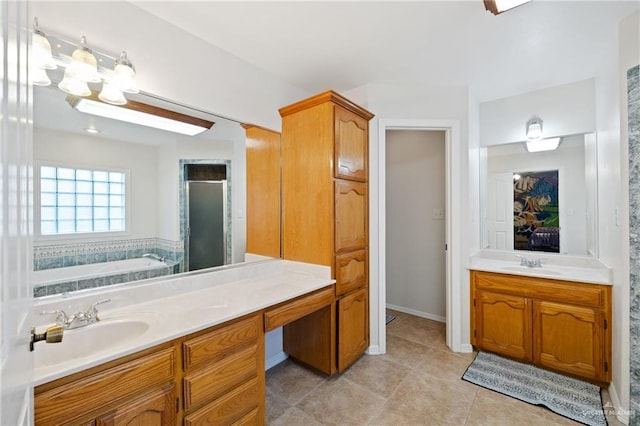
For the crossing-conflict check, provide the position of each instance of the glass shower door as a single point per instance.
(206, 224)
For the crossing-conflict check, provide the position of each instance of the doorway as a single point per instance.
(415, 223)
(453, 233)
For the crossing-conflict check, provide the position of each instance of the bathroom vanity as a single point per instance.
(200, 360)
(555, 316)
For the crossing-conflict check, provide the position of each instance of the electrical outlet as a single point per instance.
(437, 214)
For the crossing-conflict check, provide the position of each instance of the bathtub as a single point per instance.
(62, 280)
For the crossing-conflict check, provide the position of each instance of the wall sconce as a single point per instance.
(535, 142)
(81, 68)
(534, 128)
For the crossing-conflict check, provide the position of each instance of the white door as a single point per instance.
(500, 211)
(16, 362)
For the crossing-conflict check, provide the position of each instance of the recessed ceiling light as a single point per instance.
(91, 130)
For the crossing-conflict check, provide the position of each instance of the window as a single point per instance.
(75, 201)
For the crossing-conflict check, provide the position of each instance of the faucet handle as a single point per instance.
(93, 310)
(61, 317)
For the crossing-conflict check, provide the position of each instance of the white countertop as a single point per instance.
(175, 307)
(558, 267)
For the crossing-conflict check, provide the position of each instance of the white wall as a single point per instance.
(565, 110)
(628, 56)
(171, 62)
(569, 160)
(415, 186)
(69, 149)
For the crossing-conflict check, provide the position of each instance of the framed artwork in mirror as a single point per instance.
(536, 220)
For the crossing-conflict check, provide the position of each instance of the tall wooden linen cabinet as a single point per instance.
(325, 220)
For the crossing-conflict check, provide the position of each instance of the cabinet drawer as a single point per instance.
(208, 383)
(352, 271)
(250, 419)
(231, 407)
(211, 346)
(289, 312)
(62, 404)
(592, 295)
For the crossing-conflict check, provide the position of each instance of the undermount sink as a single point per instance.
(522, 269)
(86, 341)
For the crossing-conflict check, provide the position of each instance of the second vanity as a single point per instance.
(556, 316)
(189, 350)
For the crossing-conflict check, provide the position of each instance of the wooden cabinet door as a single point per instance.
(155, 408)
(353, 327)
(351, 215)
(503, 324)
(569, 338)
(351, 145)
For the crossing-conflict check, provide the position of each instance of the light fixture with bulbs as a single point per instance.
(142, 114)
(535, 142)
(498, 6)
(81, 68)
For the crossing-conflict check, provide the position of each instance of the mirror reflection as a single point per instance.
(132, 202)
(541, 201)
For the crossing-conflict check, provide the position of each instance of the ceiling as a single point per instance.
(344, 45)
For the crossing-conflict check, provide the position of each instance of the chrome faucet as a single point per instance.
(530, 263)
(79, 319)
(153, 256)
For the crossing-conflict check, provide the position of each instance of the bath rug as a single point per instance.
(572, 398)
(390, 318)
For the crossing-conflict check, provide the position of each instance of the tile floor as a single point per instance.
(417, 382)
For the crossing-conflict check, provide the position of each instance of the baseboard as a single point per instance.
(373, 350)
(417, 313)
(622, 414)
(466, 348)
(275, 360)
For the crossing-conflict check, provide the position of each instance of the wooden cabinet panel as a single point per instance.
(307, 186)
(503, 324)
(229, 408)
(351, 145)
(263, 191)
(311, 340)
(569, 338)
(351, 215)
(155, 408)
(211, 346)
(352, 271)
(294, 310)
(207, 383)
(77, 398)
(353, 323)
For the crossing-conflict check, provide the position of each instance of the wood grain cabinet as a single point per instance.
(136, 390)
(224, 373)
(325, 214)
(559, 325)
(220, 382)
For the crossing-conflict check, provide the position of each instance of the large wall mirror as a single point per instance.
(171, 183)
(541, 194)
